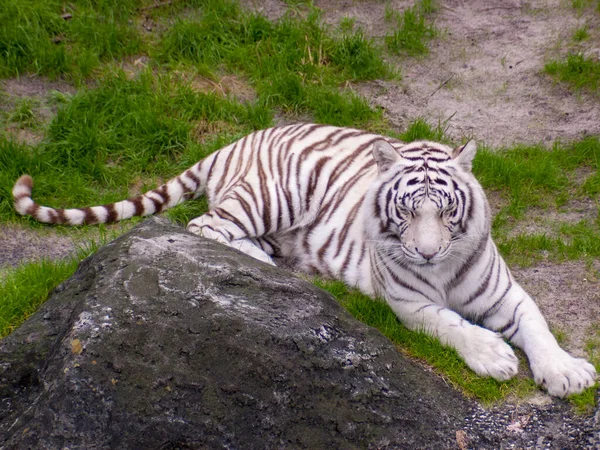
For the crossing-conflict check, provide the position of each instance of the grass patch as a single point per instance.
(23, 113)
(53, 39)
(581, 34)
(578, 71)
(581, 5)
(425, 348)
(145, 126)
(413, 28)
(534, 176)
(419, 129)
(24, 289)
(573, 241)
(295, 64)
(585, 403)
(27, 287)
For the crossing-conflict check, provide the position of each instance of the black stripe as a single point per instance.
(138, 204)
(226, 167)
(349, 222)
(89, 217)
(190, 174)
(287, 193)
(187, 192)
(248, 210)
(492, 309)
(279, 210)
(61, 216)
(266, 198)
(486, 282)
(157, 205)
(324, 247)
(464, 269)
(516, 329)
(362, 254)
(348, 258)
(511, 322)
(228, 217)
(400, 282)
(423, 280)
(112, 213)
(426, 306)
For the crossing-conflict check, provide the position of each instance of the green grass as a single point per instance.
(129, 126)
(27, 287)
(295, 64)
(578, 71)
(420, 129)
(528, 177)
(24, 289)
(23, 113)
(413, 28)
(585, 403)
(581, 34)
(423, 347)
(103, 140)
(582, 5)
(534, 176)
(37, 37)
(572, 241)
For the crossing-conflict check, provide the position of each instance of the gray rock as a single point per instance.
(166, 340)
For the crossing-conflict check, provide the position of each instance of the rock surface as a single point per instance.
(166, 340)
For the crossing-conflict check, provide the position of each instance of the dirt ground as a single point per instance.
(482, 79)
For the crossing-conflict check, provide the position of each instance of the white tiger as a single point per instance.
(408, 222)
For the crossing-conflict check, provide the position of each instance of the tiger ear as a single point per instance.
(464, 154)
(385, 155)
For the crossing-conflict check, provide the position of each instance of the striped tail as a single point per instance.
(189, 184)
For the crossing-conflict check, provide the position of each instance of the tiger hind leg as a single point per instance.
(211, 226)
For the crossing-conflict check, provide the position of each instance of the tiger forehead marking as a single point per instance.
(424, 172)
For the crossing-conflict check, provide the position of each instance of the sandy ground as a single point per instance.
(482, 79)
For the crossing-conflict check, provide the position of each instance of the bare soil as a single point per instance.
(482, 79)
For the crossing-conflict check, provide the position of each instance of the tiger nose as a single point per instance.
(427, 255)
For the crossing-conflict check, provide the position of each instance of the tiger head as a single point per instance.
(429, 206)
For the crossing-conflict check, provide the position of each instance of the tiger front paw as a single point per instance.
(487, 354)
(562, 375)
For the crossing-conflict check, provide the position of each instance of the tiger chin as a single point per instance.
(406, 222)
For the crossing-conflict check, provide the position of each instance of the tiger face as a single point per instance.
(424, 201)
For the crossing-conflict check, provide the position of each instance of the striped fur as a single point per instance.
(408, 222)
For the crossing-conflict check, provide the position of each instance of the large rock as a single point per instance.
(163, 339)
